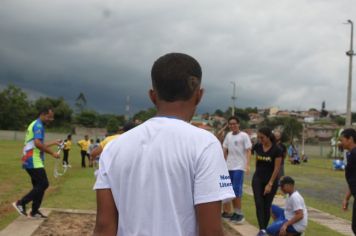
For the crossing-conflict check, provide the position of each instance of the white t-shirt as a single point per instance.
(158, 172)
(293, 203)
(237, 145)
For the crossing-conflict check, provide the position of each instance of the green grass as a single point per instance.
(321, 187)
(312, 229)
(73, 190)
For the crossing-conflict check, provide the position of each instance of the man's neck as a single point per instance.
(176, 109)
(235, 132)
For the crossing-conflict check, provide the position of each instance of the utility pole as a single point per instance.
(233, 97)
(350, 54)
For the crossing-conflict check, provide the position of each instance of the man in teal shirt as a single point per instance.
(33, 163)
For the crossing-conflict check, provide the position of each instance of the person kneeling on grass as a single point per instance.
(293, 219)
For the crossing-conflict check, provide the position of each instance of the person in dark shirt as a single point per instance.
(265, 179)
(348, 141)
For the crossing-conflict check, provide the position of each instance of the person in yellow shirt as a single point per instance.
(84, 145)
(98, 150)
(66, 149)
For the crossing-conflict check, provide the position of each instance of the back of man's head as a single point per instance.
(175, 77)
(44, 110)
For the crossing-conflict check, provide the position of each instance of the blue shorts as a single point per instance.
(275, 227)
(237, 180)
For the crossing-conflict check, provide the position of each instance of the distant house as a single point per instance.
(321, 132)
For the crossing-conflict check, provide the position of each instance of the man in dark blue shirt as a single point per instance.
(348, 141)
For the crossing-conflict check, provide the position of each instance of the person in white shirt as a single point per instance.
(237, 152)
(165, 176)
(294, 218)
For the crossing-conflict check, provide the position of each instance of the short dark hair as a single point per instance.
(233, 118)
(175, 77)
(286, 180)
(44, 110)
(349, 133)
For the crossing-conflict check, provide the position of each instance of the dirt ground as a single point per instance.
(63, 224)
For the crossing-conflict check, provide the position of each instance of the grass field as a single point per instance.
(73, 190)
(322, 187)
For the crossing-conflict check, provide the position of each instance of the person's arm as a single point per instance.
(96, 152)
(209, 219)
(345, 202)
(277, 166)
(45, 148)
(297, 217)
(107, 215)
(226, 152)
(248, 160)
(52, 143)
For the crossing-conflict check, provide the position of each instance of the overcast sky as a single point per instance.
(284, 53)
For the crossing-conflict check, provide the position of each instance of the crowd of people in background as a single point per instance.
(177, 176)
(269, 155)
(89, 149)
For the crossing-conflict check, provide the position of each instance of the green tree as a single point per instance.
(103, 119)
(15, 109)
(87, 118)
(112, 125)
(219, 112)
(62, 111)
(145, 115)
(339, 120)
(291, 127)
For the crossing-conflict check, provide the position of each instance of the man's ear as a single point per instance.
(153, 96)
(198, 96)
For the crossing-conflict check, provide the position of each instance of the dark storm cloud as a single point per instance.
(289, 54)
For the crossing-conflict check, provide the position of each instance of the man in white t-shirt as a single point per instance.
(294, 218)
(164, 177)
(237, 152)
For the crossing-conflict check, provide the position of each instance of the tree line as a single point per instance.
(17, 111)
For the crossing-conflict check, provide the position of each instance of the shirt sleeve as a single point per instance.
(247, 142)
(38, 131)
(297, 204)
(102, 179)
(212, 181)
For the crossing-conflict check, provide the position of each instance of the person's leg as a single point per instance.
(83, 153)
(277, 212)
(275, 227)
(268, 203)
(65, 157)
(41, 186)
(89, 160)
(29, 196)
(258, 189)
(292, 230)
(227, 206)
(354, 216)
(238, 180)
